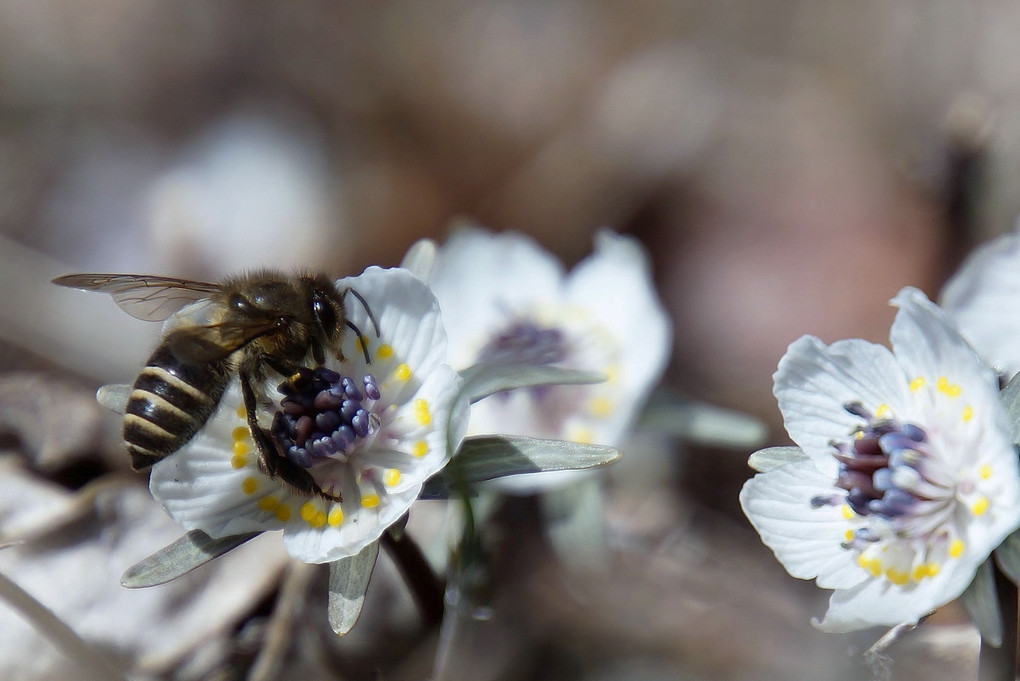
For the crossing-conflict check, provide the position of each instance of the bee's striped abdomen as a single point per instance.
(169, 403)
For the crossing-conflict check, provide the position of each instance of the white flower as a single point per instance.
(504, 298)
(983, 299)
(909, 479)
(407, 393)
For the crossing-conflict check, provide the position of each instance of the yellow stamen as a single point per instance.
(957, 548)
(384, 352)
(335, 517)
(986, 472)
(268, 503)
(980, 506)
(308, 511)
(602, 407)
(283, 513)
(421, 411)
(884, 411)
(896, 577)
(392, 477)
(917, 384)
(241, 448)
(420, 448)
(370, 500)
(249, 486)
(402, 372)
(240, 433)
(239, 461)
(848, 512)
(242, 413)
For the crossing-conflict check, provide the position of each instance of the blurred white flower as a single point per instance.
(909, 479)
(505, 299)
(371, 432)
(983, 299)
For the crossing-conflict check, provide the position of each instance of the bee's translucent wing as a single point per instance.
(146, 297)
(203, 344)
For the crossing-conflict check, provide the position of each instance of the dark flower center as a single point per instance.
(527, 342)
(887, 471)
(323, 414)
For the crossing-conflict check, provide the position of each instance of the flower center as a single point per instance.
(324, 414)
(526, 341)
(889, 473)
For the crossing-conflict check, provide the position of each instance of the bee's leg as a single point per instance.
(272, 461)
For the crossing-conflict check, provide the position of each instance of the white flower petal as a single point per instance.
(614, 285)
(408, 316)
(814, 382)
(928, 346)
(806, 540)
(483, 279)
(880, 602)
(983, 299)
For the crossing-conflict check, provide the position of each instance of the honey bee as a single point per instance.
(247, 325)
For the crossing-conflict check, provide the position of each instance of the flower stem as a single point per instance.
(999, 664)
(416, 571)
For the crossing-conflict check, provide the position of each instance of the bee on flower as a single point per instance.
(908, 478)
(369, 429)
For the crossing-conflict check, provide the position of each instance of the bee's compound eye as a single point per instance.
(238, 303)
(324, 313)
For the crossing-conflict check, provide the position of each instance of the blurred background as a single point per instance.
(789, 164)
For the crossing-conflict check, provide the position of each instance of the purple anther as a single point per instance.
(291, 406)
(302, 429)
(348, 409)
(856, 481)
(826, 500)
(361, 423)
(351, 389)
(857, 409)
(344, 436)
(371, 388)
(867, 446)
(327, 421)
(325, 401)
(323, 447)
(858, 502)
(915, 433)
(300, 456)
(898, 501)
(328, 375)
(882, 479)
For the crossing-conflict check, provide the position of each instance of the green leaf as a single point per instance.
(348, 582)
(982, 605)
(771, 458)
(495, 456)
(1011, 400)
(1008, 557)
(193, 550)
(482, 380)
(702, 423)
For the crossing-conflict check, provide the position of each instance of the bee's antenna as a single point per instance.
(361, 337)
(364, 304)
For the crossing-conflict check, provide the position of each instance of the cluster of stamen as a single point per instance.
(898, 492)
(323, 414)
(526, 341)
